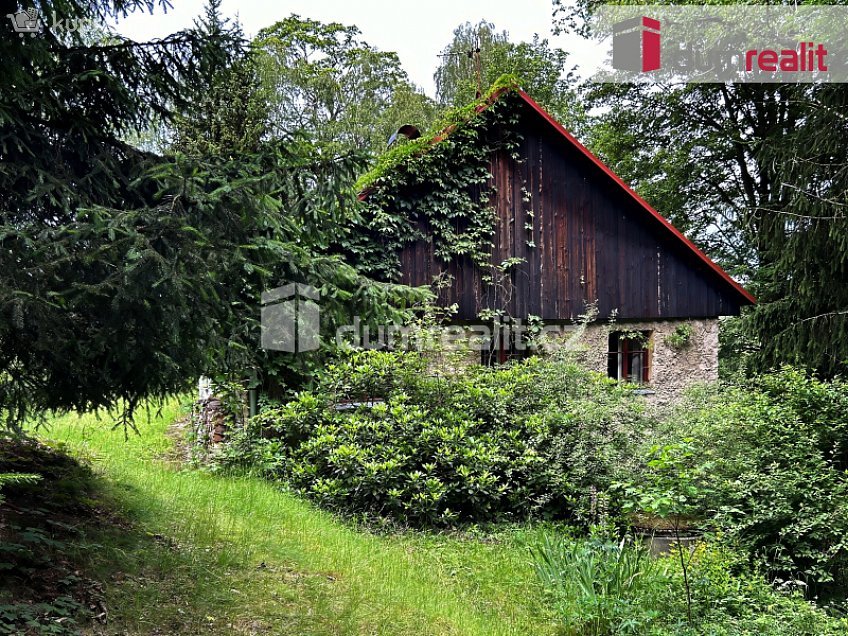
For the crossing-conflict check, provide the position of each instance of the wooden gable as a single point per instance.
(584, 237)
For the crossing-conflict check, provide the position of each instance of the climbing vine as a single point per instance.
(437, 188)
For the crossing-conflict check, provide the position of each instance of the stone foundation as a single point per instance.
(673, 369)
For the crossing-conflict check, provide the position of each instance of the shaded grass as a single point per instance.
(217, 554)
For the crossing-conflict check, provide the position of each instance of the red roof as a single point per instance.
(664, 223)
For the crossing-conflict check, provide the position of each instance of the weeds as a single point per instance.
(599, 586)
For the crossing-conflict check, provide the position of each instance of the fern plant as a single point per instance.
(8, 479)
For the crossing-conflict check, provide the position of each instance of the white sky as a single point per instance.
(416, 30)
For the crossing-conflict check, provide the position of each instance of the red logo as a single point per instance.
(636, 44)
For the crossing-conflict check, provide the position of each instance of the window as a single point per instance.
(502, 348)
(629, 356)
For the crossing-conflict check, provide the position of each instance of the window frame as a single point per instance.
(622, 348)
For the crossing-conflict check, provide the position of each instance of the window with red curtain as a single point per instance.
(629, 356)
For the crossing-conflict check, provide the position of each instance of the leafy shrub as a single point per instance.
(776, 451)
(538, 438)
(41, 591)
(601, 587)
(56, 618)
(16, 478)
(680, 337)
(731, 598)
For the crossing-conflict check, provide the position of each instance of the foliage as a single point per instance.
(600, 587)
(184, 552)
(802, 315)
(680, 337)
(603, 588)
(11, 479)
(58, 617)
(40, 593)
(672, 488)
(732, 598)
(129, 274)
(322, 78)
(774, 448)
(538, 68)
(80, 282)
(737, 348)
(673, 484)
(540, 438)
(436, 187)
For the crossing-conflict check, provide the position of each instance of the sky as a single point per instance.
(416, 30)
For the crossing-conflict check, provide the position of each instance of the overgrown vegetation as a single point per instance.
(602, 588)
(179, 551)
(761, 464)
(383, 436)
(436, 187)
(132, 264)
(773, 455)
(46, 504)
(680, 337)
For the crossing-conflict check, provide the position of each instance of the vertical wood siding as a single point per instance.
(591, 242)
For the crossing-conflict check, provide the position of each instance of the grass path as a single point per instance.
(213, 554)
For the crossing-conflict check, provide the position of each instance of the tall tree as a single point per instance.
(479, 54)
(127, 274)
(94, 303)
(802, 315)
(325, 79)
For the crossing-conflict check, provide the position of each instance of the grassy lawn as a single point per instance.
(209, 554)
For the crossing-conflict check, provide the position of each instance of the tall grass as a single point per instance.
(601, 587)
(360, 582)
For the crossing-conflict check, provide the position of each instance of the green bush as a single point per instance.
(732, 598)
(601, 587)
(539, 438)
(776, 451)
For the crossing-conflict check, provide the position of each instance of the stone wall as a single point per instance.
(672, 369)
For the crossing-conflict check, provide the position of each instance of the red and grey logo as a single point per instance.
(636, 44)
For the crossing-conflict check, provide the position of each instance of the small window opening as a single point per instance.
(502, 348)
(629, 356)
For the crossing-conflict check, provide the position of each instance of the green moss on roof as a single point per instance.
(454, 118)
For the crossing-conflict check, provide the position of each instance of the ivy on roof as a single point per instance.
(437, 189)
(453, 119)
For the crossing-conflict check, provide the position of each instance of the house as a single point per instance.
(564, 233)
